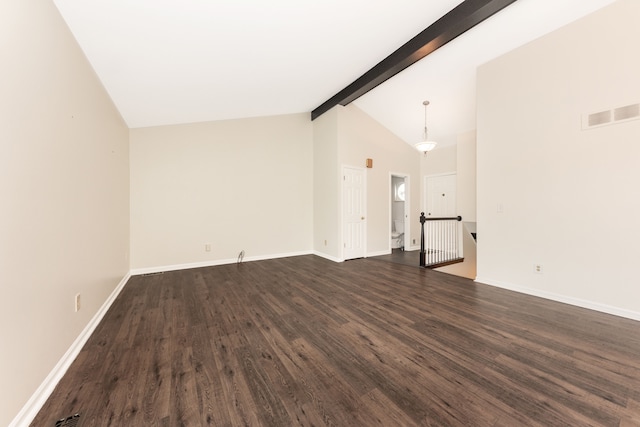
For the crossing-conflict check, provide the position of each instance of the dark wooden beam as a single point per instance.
(463, 17)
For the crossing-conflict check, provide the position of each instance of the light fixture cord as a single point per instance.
(425, 123)
(426, 132)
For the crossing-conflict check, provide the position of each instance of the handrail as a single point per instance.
(423, 253)
(449, 218)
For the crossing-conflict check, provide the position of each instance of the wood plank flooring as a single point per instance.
(304, 341)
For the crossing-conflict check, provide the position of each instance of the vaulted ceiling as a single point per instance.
(181, 61)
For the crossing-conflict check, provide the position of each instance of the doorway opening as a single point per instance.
(399, 225)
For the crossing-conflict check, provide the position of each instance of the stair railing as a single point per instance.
(442, 245)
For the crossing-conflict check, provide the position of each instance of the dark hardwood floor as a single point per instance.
(305, 341)
(411, 258)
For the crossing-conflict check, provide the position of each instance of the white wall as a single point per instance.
(570, 198)
(466, 176)
(236, 185)
(64, 190)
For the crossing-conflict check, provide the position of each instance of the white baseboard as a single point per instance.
(327, 256)
(591, 305)
(379, 253)
(213, 263)
(38, 399)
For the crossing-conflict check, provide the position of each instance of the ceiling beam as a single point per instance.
(463, 17)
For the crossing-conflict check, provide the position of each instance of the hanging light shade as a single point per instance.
(425, 145)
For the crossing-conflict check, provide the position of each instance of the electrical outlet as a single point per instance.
(537, 268)
(207, 247)
(325, 243)
(77, 302)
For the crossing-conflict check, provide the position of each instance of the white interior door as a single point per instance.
(440, 196)
(354, 215)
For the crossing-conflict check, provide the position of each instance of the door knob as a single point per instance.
(361, 217)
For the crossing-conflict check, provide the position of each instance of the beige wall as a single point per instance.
(346, 136)
(361, 137)
(236, 185)
(64, 190)
(569, 198)
(327, 236)
(441, 160)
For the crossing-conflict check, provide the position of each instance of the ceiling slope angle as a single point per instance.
(457, 21)
(447, 76)
(170, 62)
(186, 61)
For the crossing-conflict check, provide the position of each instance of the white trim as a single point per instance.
(379, 253)
(435, 175)
(174, 267)
(327, 256)
(407, 207)
(591, 305)
(38, 399)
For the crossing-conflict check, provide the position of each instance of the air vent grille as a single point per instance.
(71, 421)
(626, 113)
(601, 118)
(613, 116)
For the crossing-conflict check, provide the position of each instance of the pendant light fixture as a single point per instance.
(425, 145)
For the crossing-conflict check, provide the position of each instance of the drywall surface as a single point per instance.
(360, 137)
(204, 192)
(550, 193)
(64, 183)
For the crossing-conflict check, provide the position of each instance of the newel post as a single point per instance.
(423, 254)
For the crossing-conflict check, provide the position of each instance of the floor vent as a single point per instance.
(613, 116)
(71, 421)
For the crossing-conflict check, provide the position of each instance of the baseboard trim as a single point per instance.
(213, 263)
(591, 305)
(327, 256)
(38, 399)
(378, 253)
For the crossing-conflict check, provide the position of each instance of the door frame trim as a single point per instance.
(407, 208)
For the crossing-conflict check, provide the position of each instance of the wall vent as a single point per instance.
(613, 116)
(625, 113)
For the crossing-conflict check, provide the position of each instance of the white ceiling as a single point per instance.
(181, 61)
